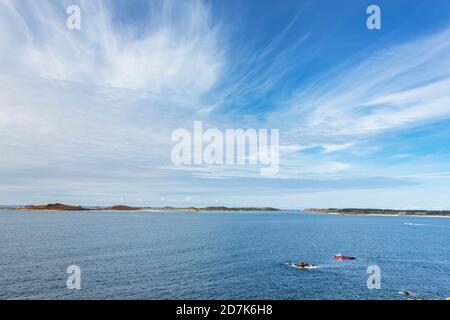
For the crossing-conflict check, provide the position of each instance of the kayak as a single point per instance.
(342, 257)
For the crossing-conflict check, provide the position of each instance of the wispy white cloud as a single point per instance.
(296, 148)
(180, 53)
(333, 167)
(401, 86)
(330, 148)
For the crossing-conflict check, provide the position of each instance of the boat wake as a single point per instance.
(425, 225)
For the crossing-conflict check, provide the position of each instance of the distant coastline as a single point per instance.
(65, 207)
(382, 212)
(334, 211)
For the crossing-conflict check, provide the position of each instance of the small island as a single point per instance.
(381, 212)
(51, 207)
(120, 208)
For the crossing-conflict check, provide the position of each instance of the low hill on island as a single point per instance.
(53, 207)
(121, 208)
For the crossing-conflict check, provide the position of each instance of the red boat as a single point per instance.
(342, 257)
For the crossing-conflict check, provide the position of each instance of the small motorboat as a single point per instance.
(404, 293)
(340, 256)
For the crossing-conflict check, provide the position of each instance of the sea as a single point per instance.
(221, 255)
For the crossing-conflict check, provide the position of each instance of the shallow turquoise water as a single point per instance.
(170, 255)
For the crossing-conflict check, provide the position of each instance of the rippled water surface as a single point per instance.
(170, 255)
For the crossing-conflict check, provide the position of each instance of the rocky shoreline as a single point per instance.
(381, 212)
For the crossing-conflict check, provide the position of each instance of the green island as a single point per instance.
(381, 212)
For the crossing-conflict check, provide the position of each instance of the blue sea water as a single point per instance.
(176, 255)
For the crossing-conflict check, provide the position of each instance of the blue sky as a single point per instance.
(364, 115)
